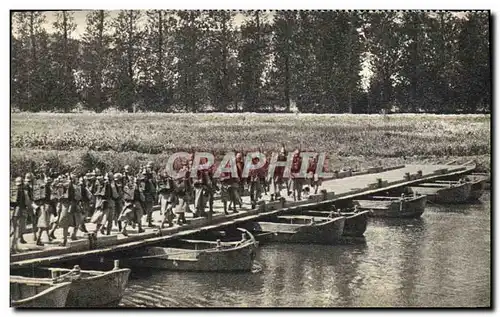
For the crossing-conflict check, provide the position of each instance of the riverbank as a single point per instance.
(110, 141)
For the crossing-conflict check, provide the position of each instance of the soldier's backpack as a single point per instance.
(39, 191)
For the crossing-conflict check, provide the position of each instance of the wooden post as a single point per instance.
(324, 193)
(116, 264)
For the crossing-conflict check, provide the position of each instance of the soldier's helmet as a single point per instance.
(19, 180)
(28, 177)
(127, 168)
(117, 177)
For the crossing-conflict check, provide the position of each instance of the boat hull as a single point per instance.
(412, 207)
(40, 296)
(329, 232)
(237, 259)
(456, 194)
(477, 189)
(103, 290)
(355, 224)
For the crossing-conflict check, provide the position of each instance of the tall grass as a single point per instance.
(69, 139)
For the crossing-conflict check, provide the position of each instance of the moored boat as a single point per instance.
(93, 288)
(37, 292)
(486, 177)
(199, 255)
(477, 186)
(444, 192)
(300, 229)
(393, 207)
(355, 222)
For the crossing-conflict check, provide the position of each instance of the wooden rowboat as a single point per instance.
(355, 222)
(37, 292)
(94, 288)
(477, 186)
(199, 255)
(444, 193)
(393, 207)
(486, 177)
(300, 229)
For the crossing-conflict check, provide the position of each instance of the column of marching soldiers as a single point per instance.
(52, 200)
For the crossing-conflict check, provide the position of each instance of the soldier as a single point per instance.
(29, 183)
(240, 165)
(209, 187)
(255, 185)
(76, 217)
(166, 199)
(64, 205)
(262, 172)
(296, 181)
(118, 198)
(227, 192)
(19, 202)
(314, 180)
(55, 193)
(182, 189)
(132, 210)
(42, 206)
(103, 196)
(87, 199)
(127, 174)
(277, 178)
(149, 193)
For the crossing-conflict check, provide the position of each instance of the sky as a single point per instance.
(80, 20)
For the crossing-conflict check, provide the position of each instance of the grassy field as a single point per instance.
(81, 141)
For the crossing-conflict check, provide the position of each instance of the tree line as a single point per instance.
(311, 61)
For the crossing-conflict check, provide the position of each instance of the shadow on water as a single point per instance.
(441, 259)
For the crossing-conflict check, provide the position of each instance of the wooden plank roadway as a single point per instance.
(332, 190)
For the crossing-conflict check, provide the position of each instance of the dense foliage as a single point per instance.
(267, 61)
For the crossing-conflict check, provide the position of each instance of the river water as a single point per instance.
(440, 260)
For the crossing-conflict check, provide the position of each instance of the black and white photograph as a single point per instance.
(169, 158)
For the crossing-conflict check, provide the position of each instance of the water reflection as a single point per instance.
(442, 259)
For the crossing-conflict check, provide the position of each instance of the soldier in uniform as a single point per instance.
(149, 192)
(103, 196)
(199, 184)
(64, 205)
(314, 180)
(29, 183)
(278, 177)
(19, 202)
(255, 185)
(182, 190)
(127, 174)
(296, 181)
(263, 175)
(132, 210)
(227, 192)
(166, 199)
(42, 207)
(87, 199)
(118, 198)
(76, 217)
(55, 194)
(240, 165)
